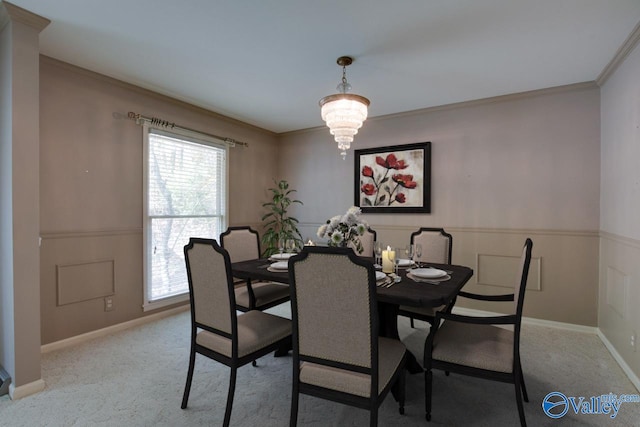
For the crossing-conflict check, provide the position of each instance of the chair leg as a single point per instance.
(232, 389)
(373, 418)
(402, 383)
(411, 320)
(428, 382)
(254, 363)
(187, 387)
(293, 420)
(524, 388)
(523, 422)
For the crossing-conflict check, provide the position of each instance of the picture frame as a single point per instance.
(393, 179)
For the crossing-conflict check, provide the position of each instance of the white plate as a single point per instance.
(428, 273)
(402, 262)
(280, 265)
(380, 275)
(278, 257)
(435, 281)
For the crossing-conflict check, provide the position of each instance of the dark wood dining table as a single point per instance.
(407, 292)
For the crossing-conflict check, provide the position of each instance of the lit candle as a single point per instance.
(388, 258)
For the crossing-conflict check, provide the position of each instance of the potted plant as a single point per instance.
(278, 224)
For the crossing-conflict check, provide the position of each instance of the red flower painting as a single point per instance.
(382, 190)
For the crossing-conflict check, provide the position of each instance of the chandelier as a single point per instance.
(344, 112)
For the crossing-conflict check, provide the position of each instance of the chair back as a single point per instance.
(210, 289)
(242, 243)
(521, 278)
(367, 240)
(436, 245)
(333, 306)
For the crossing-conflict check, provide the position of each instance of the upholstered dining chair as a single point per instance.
(337, 353)
(243, 243)
(217, 331)
(437, 246)
(481, 346)
(368, 240)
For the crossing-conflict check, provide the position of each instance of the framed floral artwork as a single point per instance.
(394, 179)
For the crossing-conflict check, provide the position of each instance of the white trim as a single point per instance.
(621, 54)
(16, 13)
(193, 137)
(530, 320)
(627, 241)
(560, 325)
(19, 392)
(626, 368)
(452, 229)
(466, 104)
(146, 281)
(78, 339)
(165, 302)
(569, 327)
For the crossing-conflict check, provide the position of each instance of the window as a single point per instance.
(185, 196)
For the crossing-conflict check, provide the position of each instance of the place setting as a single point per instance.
(281, 256)
(386, 281)
(280, 260)
(429, 275)
(278, 267)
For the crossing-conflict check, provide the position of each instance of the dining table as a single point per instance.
(390, 296)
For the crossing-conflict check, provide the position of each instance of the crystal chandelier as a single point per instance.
(344, 112)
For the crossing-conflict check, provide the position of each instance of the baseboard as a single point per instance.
(626, 368)
(560, 325)
(569, 327)
(68, 342)
(530, 320)
(19, 392)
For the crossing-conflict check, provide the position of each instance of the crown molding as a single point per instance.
(619, 57)
(48, 60)
(464, 104)
(9, 12)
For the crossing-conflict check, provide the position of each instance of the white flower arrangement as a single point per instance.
(342, 229)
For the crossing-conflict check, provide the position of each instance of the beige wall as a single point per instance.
(19, 199)
(7, 357)
(91, 190)
(619, 318)
(502, 170)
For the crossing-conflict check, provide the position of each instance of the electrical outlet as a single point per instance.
(632, 341)
(108, 304)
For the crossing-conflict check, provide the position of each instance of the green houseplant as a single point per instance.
(277, 222)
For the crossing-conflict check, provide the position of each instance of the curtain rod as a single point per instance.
(140, 119)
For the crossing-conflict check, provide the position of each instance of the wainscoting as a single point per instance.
(618, 316)
(78, 270)
(563, 277)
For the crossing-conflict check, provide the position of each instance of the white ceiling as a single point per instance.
(268, 62)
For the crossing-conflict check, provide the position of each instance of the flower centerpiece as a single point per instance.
(342, 229)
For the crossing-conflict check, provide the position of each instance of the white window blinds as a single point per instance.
(186, 193)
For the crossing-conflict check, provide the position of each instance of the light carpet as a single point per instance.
(136, 378)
